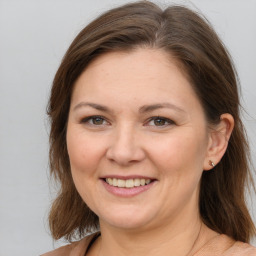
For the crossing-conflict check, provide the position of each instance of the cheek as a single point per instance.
(179, 154)
(84, 152)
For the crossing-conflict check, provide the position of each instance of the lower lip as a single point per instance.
(127, 192)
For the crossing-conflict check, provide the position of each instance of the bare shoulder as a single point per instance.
(222, 245)
(74, 249)
(241, 249)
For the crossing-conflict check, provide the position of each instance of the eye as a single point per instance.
(160, 121)
(95, 120)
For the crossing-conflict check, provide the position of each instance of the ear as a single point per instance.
(218, 141)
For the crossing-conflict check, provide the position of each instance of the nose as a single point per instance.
(125, 147)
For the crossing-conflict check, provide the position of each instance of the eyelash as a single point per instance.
(91, 119)
(166, 120)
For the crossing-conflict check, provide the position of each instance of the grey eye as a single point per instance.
(97, 120)
(160, 122)
(94, 120)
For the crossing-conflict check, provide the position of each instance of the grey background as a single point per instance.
(34, 35)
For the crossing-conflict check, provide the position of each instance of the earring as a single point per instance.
(211, 163)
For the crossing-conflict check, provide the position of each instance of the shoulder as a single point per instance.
(73, 249)
(223, 245)
(241, 249)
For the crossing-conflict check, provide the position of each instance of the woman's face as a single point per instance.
(137, 140)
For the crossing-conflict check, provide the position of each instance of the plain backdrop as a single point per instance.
(34, 35)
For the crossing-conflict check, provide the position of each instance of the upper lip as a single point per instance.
(128, 177)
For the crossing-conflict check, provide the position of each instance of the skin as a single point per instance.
(171, 144)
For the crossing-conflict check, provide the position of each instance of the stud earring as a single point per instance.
(211, 163)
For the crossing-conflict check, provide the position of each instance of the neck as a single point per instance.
(179, 240)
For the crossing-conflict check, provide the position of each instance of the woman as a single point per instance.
(146, 139)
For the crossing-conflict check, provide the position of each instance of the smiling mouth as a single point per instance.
(129, 183)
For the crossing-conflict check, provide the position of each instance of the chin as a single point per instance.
(125, 224)
(127, 219)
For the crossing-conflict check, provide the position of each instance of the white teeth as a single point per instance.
(110, 181)
(114, 183)
(121, 183)
(142, 182)
(127, 183)
(136, 182)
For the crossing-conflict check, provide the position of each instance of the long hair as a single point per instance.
(189, 38)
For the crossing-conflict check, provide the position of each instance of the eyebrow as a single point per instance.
(149, 108)
(142, 109)
(93, 105)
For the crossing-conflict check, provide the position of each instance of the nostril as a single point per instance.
(125, 155)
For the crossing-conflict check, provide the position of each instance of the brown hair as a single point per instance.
(189, 38)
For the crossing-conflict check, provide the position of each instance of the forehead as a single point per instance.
(141, 75)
